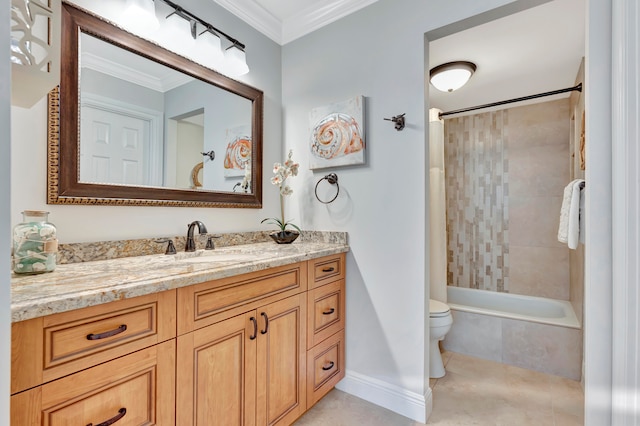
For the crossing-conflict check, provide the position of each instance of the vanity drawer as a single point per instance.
(325, 311)
(135, 389)
(326, 269)
(47, 348)
(214, 301)
(325, 367)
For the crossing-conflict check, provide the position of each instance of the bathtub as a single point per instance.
(529, 332)
(514, 306)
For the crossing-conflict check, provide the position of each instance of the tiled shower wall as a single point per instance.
(477, 191)
(505, 173)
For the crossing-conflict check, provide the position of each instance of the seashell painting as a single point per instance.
(337, 134)
(238, 153)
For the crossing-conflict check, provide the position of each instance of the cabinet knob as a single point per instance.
(329, 269)
(329, 311)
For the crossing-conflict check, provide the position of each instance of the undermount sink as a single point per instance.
(213, 257)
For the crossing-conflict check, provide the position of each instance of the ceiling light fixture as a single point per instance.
(452, 75)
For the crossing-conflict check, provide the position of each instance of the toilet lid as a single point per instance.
(437, 308)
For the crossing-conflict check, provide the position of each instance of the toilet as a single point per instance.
(440, 321)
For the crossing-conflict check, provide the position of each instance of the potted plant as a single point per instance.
(281, 173)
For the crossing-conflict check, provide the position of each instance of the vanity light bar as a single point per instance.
(185, 14)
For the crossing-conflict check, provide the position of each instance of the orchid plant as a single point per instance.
(281, 173)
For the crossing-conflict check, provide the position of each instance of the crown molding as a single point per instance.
(298, 25)
(256, 16)
(314, 18)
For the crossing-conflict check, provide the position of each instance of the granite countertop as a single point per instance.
(78, 285)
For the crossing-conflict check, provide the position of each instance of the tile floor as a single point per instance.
(473, 392)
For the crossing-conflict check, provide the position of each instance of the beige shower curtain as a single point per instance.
(437, 209)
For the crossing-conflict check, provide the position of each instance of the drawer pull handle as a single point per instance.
(329, 312)
(121, 413)
(255, 328)
(266, 323)
(329, 367)
(329, 269)
(106, 334)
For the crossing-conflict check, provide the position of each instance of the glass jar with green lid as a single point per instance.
(35, 244)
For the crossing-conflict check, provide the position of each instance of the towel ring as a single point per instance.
(332, 178)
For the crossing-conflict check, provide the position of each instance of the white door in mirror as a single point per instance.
(117, 146)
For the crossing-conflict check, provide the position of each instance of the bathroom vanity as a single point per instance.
(240, 335)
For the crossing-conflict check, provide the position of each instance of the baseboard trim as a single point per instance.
(404, 402)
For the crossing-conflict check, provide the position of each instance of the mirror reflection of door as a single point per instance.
(190, 137)
(118, 148)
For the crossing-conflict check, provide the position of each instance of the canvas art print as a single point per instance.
(337, 134)
(238, 153)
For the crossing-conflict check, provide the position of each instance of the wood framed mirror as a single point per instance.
(117, 140)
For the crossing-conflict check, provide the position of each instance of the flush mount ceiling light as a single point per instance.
(452, 75)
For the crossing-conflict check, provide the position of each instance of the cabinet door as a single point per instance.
(216, 373)
(282, 361)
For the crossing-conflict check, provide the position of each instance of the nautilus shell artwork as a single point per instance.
(238, 155)
(337, 134)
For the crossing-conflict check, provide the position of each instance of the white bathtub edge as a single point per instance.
(569, 319)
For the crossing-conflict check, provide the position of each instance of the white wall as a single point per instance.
(5, 215)
(94, 223)
(625, 199)
(376, 52)
(598, 247)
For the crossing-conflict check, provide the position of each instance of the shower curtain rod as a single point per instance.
(510, 101)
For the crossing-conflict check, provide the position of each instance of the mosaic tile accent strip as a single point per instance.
(477, 188)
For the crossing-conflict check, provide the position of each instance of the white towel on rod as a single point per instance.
(582, 217)
(569, 229)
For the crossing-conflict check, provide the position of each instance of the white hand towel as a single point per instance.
(569, 214)
(582, 215)
(574, 216)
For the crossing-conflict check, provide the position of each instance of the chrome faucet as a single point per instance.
(191, 244)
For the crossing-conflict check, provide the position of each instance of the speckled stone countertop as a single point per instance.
(78, 285)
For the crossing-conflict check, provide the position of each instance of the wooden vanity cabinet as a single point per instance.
(253, 349)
